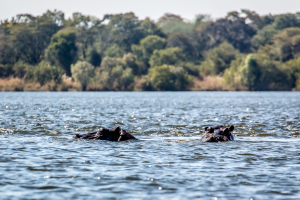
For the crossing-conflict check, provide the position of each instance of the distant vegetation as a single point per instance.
(242, 51)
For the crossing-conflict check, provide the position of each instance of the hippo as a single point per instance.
(218, 134)
(212, 134)
(114, 134)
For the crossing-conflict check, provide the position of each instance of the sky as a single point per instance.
(154, 9)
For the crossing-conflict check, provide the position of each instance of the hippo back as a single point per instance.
(114, 134)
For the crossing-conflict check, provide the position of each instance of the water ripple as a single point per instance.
(40, 161)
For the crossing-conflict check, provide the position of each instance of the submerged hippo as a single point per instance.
(218, 134)
(212, 134)
(114, 134)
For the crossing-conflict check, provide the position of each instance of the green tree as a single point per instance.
(202, 18)
(114, 75)
(251, 73)
(273, 74)
(169, 17)
(256, 21)
(234, 30)
(169, 56)
(147, 46)
(87, 30)
(5, 71)
(83, 21)
(169, 78)
(259, 72)
(151, 43)
(185, 43)
(31, 35)
(218, 59)
(7, 54)
(130, 61)
(294, 67)
(45, 72)
(82, 72)
(191, 68)
(150, 28)
(288, 43)
(23, 70)
(287, 21)
(62, 50)
(124, 29)
(93, 57)
(114, 51)
(264, 36)
(110, 62)
(122, 78)
(171, 23)
(233, 75)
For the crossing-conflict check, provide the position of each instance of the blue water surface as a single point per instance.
(39, 159)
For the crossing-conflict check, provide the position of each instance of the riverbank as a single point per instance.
(208, 83)
(18, 84)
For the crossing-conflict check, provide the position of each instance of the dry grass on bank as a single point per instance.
(209, 83)
(17, 84)
(213, 83)
(69, 85)
(12, 84)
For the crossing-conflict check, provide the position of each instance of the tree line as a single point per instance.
(122, 53)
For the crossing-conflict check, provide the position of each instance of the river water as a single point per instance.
(39, 159)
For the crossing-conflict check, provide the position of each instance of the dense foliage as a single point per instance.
(121, 52)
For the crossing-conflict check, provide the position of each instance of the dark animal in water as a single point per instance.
(218, 134)
(114, 134)
(212, 134)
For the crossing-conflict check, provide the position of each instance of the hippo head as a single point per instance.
(112, 134)
(228, 133)
(218, 134)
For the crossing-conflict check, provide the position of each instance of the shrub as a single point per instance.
(169, 78)
(258, 72)
(169, 56)
(82, 71)
(45, 72)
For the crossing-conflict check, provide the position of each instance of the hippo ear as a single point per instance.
(231, 128)
(206, 128)
(118, 129)
(211, 130)
(226, 132)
